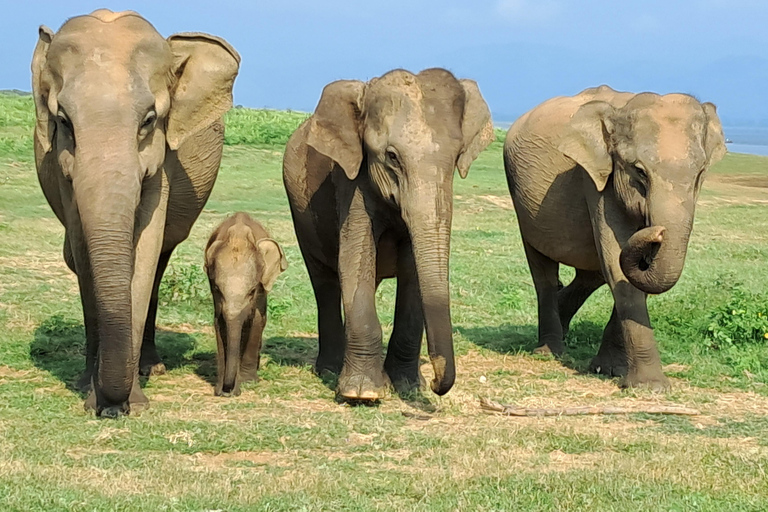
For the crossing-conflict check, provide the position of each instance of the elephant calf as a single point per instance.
(242, 263)
(607, 182)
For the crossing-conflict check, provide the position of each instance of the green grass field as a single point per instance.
(286, 445)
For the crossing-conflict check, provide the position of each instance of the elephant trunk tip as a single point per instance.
(444, 376)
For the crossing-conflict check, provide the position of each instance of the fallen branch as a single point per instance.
(512, 410)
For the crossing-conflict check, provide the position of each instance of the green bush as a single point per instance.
(742, 319)
(185, 284)
(261, 127)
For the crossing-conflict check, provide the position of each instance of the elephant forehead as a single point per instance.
(674, 124)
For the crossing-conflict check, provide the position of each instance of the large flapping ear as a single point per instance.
(714, 144)
(274, 262)
(334, 129)
(44, 127)
(476, 126)
(205, 68)
(586, 140)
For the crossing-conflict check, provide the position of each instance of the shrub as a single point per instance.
(742, 319)
(185, 284)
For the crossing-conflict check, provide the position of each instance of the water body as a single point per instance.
(752, 140)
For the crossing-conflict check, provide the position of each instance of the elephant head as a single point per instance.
(653, 152)
(407, 134)
(241, 271)
(112, 98)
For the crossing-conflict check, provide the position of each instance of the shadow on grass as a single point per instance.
(58, 347)
(299, 352)
(581, 343)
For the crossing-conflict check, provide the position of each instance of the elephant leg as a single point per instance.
(402, 361)
(330, 327)
(251, 358)
(150, 362)
(643, 360)
(611, 358)
(545, 279)
(362, 375)
(572, 297)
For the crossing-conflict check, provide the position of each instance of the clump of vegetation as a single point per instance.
(261, 127)
(742, 319)
(185, 285)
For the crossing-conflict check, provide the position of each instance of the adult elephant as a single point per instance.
(369, 178)
(128, 143)
(607, 182)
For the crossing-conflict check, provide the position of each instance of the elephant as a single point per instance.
(607, 182)
(242, 263)
(128, 141)
(369, 178)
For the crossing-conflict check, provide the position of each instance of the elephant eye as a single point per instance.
(252, 293)
(148, 119)
(641, 172)
(391, 155)
(64, 120)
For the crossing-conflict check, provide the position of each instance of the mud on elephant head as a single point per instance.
(115, 104)
(656, 169)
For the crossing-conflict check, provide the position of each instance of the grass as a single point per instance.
(286, 445)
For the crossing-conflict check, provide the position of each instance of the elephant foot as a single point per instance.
(611, 360)
(550, 348)
(326, 364)
(362, 387)
(83, 384)
(227, 393)
(137, 402)
(149, 370)
(647, 378)
(405, 381)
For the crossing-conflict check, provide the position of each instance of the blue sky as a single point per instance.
(521, 52)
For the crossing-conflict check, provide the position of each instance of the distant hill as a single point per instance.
(15, 92)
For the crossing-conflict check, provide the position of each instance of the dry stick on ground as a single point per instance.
(512, 410)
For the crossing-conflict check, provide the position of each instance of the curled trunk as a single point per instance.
(653, 258)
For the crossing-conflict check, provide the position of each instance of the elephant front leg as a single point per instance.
(631, 324)
(362, 375)
(611, 358)
(250, 362)
(545, 279)
(402, 362)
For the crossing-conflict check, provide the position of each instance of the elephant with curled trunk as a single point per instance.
(128, 143)
(369, 178)
(607, 182)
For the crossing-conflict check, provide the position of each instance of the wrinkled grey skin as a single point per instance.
(128, 143)
(607, 182)
(242, 263)
(370, 182)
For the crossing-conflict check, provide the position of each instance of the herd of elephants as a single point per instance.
(128, 141)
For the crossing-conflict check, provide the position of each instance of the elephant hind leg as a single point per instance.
(611, 358)
(545, 279)
(404, 349)
(150, 362)
(330, 327)
(572, 297)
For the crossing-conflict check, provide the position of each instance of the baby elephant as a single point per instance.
(242, 264)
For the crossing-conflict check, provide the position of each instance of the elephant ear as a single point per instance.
(205, 68)
(714, 143)
(586, 140)
(44, 126)
(273, 260)
(476, 126)
(334, 129)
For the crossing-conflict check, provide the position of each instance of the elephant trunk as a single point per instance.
(232, 354)
(107, 192)
(653, 258)
(429, 223)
